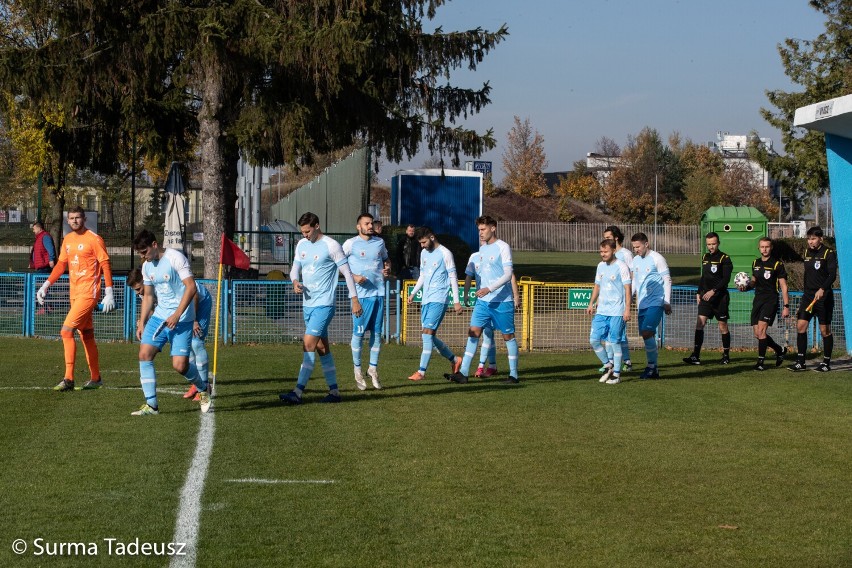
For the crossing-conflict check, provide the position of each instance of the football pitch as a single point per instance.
(708, 466)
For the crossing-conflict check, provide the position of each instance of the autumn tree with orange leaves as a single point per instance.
(524, 160)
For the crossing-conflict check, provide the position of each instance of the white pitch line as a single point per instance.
(189, 512)
(165, 390)
(273, 481)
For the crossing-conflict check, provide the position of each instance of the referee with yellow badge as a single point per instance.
(817, 300)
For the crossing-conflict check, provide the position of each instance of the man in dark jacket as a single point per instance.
(409, 255)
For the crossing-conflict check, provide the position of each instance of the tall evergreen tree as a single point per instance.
(823, 68)
(277, 79)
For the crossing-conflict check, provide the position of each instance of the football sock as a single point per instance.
(443, 349)
(726, 344)
(426, 354)
(599, 350)
(827, 347)
(70, 348)
(356, 343)
(512, 348)
(625, 351)
(609, 352)
(375, 348)
(492, 349)
(801, 346)
(616, 357)
(308, 362)
(201, 359)
(699, 341)
(91, 350)
(330, 372)
(761, 348)
(770, 343)
(485, 350)
(192, 375)
(148, 379)
(469, 350)
(651, 351)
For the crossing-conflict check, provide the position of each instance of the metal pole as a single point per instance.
(38, 212)
(655, 211)
(133, 199)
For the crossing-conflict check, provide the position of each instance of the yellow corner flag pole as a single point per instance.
(216, 329)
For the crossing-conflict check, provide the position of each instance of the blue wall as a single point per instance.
(448, 204)
(839, 153)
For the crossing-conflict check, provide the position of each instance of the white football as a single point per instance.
(741, 279)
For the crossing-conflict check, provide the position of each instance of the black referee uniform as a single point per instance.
(764, 308)
(716, 271)
(820, 272)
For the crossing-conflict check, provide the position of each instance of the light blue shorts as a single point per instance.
(180, 337)
(500, 315)
(371, 319)
(607, 328)
(432, 314)
(650, 318)
(202, 316)
(317, 320)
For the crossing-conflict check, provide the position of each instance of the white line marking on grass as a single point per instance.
(272, 481)
(166, 390)
(189, 512)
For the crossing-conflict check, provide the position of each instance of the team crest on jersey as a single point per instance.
(316, 257)
(363, 254)
(612, 277)
(167, 277)
(767, 274)
(713, 269)
(816, 265)
(303, 254)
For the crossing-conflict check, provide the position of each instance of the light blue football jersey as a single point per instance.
(315, 266)
(367, 257)
(611, 278)
(650, 276)
(489, 264)
(166, 275)
(436, 269)
(625, 256)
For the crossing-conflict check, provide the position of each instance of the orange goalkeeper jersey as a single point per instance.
(87, 260)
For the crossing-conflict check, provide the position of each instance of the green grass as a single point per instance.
(558, 471)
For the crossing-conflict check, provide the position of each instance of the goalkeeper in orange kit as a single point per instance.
(84, 254)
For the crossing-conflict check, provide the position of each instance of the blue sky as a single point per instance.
(583, 70)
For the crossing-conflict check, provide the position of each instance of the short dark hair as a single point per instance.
(377, 221)
(609, 243)
(486, 220)
(361, 216)
(77, 209)
(143, 240)
(639, 238)
(616, 233)
(765, 240)
(815, 231)
(309, 219)
(423, 233)
(712, 235)
(134, 277)
(38, 224)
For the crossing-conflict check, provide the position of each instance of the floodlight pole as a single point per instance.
(655, 211)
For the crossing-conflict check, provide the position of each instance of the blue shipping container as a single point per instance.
(448, 203)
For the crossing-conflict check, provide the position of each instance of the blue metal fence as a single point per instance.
(267, 311)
